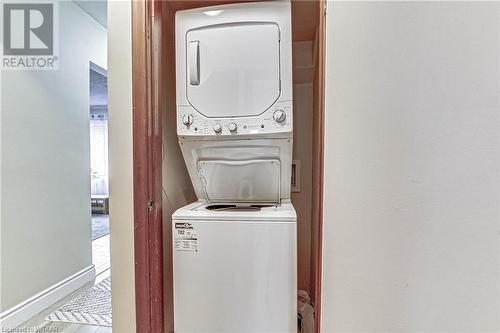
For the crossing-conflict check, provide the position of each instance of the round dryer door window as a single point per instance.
(233, 70)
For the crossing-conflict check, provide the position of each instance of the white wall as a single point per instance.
(45, 170)
(411, 206)
(302, 151)
(120, 165)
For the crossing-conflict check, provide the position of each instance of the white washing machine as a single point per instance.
(235, 248)
(235, 269)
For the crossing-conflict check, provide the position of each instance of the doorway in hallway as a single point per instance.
(99, 181)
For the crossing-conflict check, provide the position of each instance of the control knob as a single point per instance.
(232, 127)
(217, 128)
(187, 119)
(279, 116)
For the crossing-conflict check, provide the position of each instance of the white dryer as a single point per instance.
(234, 71)
(234, 95)
(235, 249)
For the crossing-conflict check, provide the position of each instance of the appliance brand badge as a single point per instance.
(183, 225)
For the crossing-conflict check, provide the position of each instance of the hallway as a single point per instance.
(101, 261)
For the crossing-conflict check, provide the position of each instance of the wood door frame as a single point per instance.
(147, 109)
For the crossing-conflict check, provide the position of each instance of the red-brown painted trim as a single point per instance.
(140, 172)
(155, 127)
(147, 148)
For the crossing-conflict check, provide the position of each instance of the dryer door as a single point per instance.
(233, 70)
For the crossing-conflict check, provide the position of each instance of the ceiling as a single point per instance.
(97, 9)
(304, 13)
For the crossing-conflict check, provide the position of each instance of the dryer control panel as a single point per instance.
(277, 119)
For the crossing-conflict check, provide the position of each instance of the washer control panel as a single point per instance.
(277, 119)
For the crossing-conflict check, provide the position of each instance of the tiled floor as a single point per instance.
(100, 254)
(101, 260)
(100, 225)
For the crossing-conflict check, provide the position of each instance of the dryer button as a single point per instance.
(187, 119)
(233, 127)
(217, 128)
(279, 116)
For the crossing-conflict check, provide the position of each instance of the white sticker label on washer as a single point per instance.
(186, 238)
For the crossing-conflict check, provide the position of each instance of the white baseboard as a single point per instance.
(23, 311)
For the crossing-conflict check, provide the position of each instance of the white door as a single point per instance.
(233, 70)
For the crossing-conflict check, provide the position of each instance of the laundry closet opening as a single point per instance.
(306, 178)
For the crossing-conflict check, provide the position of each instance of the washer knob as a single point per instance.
(187, 119)
(279, 116)
(232, 127)
(217, 128)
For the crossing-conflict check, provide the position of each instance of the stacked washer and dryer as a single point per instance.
(235, 257)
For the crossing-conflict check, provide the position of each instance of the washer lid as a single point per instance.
(249, 181)
(233, 69)
(197, 211)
